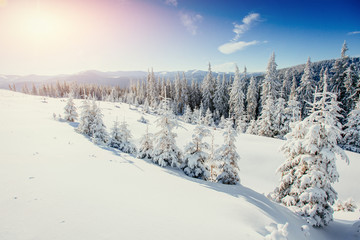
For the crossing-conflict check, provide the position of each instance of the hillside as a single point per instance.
(56, 184)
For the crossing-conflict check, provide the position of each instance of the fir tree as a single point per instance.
(177, 97)
(280, 118)
(165, 150)
(208, 91)
(310, 170)
(351, 139)
(208, 119)
(237, 97)
(125, 139)
(70, 113)
(97, 127)
(286, 85)
(221, 98)
(252, 128)
(187, 117)
(222, 122)
(270, 86)
(115, 136)
(228, 157)
(307, 88)
(337, 81)
(266, 123)
(146, 146)
(86, 119)
(195, 156)
(293, 92)
(252, 99)
(351, 78)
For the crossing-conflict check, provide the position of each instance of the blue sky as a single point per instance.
(58, 36)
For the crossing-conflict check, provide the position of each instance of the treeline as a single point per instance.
(263, 105)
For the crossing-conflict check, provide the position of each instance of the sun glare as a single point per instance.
(42, 25)
(3, 3)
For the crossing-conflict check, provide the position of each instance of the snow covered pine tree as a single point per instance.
(70, 113)
(228, 157)
(165, 150)
(146, 146)
(310, 170)
(195, 158)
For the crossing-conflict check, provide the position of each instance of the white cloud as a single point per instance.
(190, 21)
(353, 33)
(232, 47)
(239, 30)
(171, 2)
(247, 21)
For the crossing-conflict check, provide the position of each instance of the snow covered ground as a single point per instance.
(56, 184)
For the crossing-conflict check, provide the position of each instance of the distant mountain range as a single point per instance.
(123, 78)
(118, 78)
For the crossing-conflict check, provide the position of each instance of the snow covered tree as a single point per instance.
(270, 86)
(208, 119)
(286, 85)
(125, 139)
(280, 118)
(252, 99)
(222, 122)
(221, 97)
(343, 50)
(237, 97)
(266, 122)
(208, 91)
(98, 131)
(228, 158)
(187, 116)
(177, 97)
(310, 169)
(86, 119)
(195, 156)
(152, 89)
(252, 128)
(70, 113)
(165, 150)
(115, 136)
(293, 112)
(293, 92)
(351, 140)
(351, 78)
(184, 93)
(146, 146)
(307, 88)
(337, 81)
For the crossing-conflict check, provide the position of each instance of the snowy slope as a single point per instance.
(56, 184)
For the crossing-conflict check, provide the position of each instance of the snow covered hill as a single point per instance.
(56, 184)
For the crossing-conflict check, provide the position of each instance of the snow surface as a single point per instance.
(56, 184)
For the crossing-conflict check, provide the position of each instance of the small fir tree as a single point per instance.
(165, 150)
(146, 146)
(208, 119)
(252, 128)
(98, 130)
(187, 117)
(115, 136)
(228, 158)
(125, 140)
(70, 113)
(266, 123)
(86, 119)
(195, 156)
